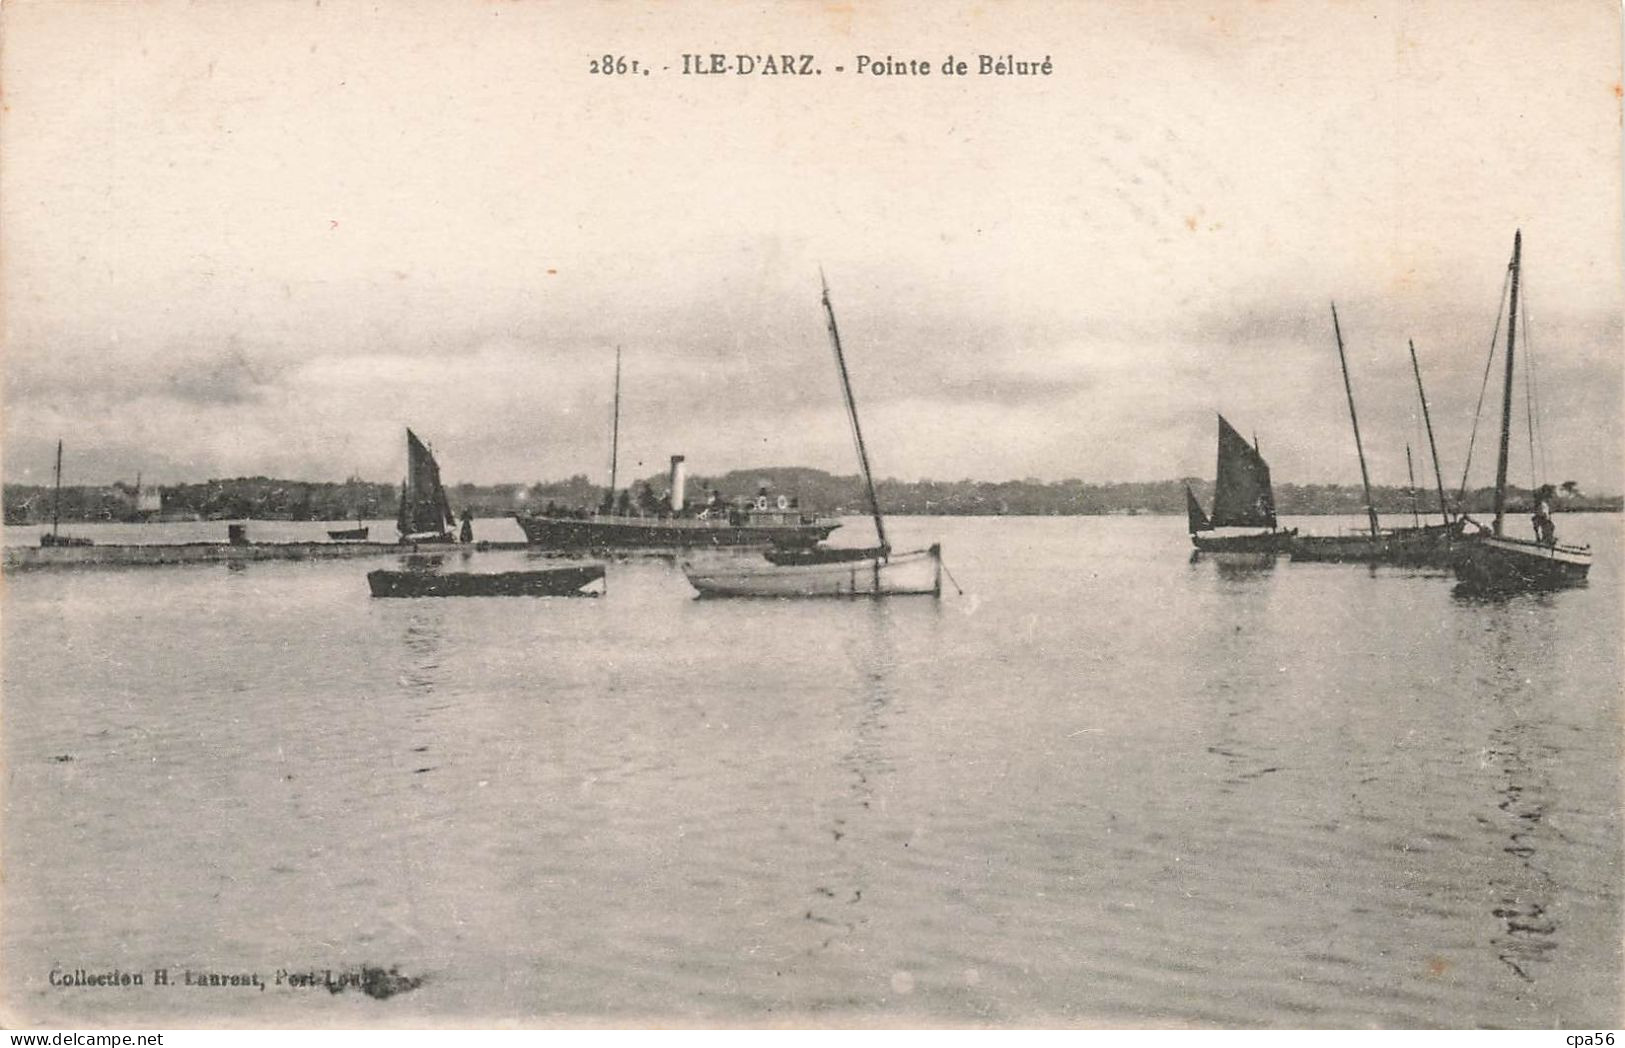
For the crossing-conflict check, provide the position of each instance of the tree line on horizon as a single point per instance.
(265, 498)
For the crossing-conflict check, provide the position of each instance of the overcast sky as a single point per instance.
(262, 238)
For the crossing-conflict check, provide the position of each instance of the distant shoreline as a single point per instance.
(815, 491)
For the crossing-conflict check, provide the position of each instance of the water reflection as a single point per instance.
(421, 643)
(1521, 638)
(837, 906)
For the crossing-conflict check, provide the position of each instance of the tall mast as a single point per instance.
(1410, 471)
(1506, 394)
(852, 413)
(1365, 477)
(403, 516)
(1438, 477)
(615, 431)
(56, 500)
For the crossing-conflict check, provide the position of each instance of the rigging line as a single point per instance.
(1534, 394)
(1483, 386)
(1529, 399)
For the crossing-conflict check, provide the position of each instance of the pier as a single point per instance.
(27, 558)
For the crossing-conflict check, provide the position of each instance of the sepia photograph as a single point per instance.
(829, 514)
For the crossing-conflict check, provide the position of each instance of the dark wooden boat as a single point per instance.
(1492, 562)
(548, 582)
(1420, 545)
(425, 513)
(1426, 545)
(1242, 498)
(348, 535)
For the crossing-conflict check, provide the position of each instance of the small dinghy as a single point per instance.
(550, 582)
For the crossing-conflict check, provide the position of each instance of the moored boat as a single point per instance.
(348, 535)
(856, 573)
(425, 513)
(1419, 545)
(655, 525)
(1242, 498)
(547, 582)
(822, 571)
(766, 521)
(1494, 562)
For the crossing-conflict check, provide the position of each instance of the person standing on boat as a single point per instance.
(1545, 530)
(468, 525)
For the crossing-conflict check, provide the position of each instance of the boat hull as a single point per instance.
(1502, 565)
(551, 582)
(352, 535)
(1433, 545)
(918, 573)
(604, 532)
(1261, 543)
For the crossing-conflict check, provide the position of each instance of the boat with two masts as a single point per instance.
(1422, 544)
(1491, 561)
(1242, 498)
(824, 571)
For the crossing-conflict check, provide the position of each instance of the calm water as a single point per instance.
(1107, 785)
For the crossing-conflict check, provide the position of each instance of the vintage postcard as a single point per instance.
(850, 514)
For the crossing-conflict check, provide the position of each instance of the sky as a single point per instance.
(264, 238)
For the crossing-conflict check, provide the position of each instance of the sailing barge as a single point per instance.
(1430, 544)
(1242, 498)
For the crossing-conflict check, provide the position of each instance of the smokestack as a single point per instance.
(679, 481)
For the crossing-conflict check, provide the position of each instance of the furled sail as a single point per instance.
(1193, 510)
(424, 507)
(1242, 496)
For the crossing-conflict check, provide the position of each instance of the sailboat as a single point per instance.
(55, 538)
(1494, 562)
(1426, 545)
(1364, 547)
(823, 571)
(1242, 498)
(425, 513)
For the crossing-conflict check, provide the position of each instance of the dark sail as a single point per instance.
(424, 507)
(1193, 510)
(1242, 496)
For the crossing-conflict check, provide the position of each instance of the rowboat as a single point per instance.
(550, 582)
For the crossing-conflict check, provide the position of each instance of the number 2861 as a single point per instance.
(614, 65)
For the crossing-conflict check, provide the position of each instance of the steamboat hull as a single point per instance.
(640, 533)
(1502, 565)
(905, 574)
